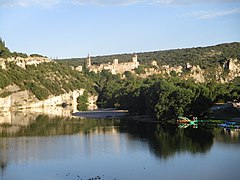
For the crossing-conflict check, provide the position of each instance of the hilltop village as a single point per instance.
(115, 67)
(188, 71)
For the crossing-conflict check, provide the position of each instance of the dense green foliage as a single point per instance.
(36, 55)
(83, 101)
(207, 57)
(140, 70)
(164, 98)
(4, 51)
(44, 79)
(16, 54)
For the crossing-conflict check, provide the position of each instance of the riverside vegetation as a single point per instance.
(162, 98)
(158, 96)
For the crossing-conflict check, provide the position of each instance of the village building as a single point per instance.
(115, 67)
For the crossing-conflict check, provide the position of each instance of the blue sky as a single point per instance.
(74, 28)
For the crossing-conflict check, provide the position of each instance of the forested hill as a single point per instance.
(162, 95)
(205, 57)
(38, 75)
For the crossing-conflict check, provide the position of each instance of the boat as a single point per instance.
(184, 122)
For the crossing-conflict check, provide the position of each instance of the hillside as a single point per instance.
(166, 91)
(37, 77)
(203, 64)
(205, 57)
(43, 80)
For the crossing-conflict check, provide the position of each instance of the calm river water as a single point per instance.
(45, 147)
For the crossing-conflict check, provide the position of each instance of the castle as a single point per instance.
(115, 67)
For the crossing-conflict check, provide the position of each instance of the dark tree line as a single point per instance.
(164, 98)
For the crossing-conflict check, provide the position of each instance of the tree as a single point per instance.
(83, 102)
(140, 70)
(4, 51)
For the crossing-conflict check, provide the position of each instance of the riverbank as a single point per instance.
(113, 113)
(227, 111)
(102, 113)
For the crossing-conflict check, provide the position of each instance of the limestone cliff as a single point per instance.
(226, 72)
(231, 69)
(25, 99)
(197, 74)
(23, 62)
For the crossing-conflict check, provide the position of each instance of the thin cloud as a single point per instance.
(189, 2)
(48, 3)
(210, 14)
(27, 3)
(107, 2)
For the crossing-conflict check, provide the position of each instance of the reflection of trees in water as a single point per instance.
(3, 157)
(166, 140)
(170, 140)
(227, 136)
(3, 167)
(46, 126)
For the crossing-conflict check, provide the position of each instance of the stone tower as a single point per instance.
(135, 61)
(88, 62)
(134, 58)
(115, 61)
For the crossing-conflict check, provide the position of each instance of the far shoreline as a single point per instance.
(111, 113)
(102, 113)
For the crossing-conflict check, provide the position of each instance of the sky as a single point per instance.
(76, 28)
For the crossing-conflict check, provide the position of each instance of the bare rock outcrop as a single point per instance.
(25, 99)
(23, 62)
(197, 74)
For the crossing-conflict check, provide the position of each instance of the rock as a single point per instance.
(25, 99)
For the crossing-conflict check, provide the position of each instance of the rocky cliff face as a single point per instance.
(23, 62)
(225, 73)
(229, 70)
(25, 99)
(232, 69)
(196, 73)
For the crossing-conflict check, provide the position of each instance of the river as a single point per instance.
(48, 147)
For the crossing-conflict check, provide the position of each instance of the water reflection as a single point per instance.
(27, 116)
(44, 125)
(40, 137)
(227, 136)
(36, 137)
(167, 140)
